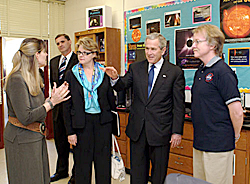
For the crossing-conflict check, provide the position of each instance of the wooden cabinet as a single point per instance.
(241, 159)
(109, 42)
(240, 176)
(123, 140)
(181, 157)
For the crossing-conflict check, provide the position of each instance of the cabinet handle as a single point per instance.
(178, 163)
(179, 147)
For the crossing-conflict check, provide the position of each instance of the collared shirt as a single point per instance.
(213, 61)
(67, 61)
(214, 88)
(156, 70)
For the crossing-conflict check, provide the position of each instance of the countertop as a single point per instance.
(246, 124)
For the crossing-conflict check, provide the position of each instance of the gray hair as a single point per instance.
(160, 37)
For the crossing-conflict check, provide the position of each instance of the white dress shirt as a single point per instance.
(156, 70)
(67, 61)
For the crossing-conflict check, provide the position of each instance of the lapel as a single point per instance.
(56, 69)
(79, 86)
(81, 90)
(163, 74)
(143, 73)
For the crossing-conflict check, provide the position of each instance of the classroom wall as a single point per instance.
(75, 15)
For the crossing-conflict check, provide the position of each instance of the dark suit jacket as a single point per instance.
(163, 113)
(74, 108)
(54, 70)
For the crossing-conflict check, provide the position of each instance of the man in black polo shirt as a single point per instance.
(217, 114)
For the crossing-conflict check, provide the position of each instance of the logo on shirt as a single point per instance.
(209, 77)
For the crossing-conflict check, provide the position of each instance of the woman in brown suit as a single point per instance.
(25, 145)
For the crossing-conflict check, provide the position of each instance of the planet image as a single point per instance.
(236, 21)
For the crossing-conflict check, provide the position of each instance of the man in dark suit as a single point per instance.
(58, 67)
(157, 112)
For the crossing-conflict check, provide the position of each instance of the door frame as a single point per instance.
(49, 118)
(1, 93)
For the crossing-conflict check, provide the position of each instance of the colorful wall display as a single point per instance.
(175, 20)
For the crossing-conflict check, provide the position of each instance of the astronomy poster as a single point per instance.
(235, 20)
(238, 57)
(184, 54)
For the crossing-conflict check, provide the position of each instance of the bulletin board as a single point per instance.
(175, 21)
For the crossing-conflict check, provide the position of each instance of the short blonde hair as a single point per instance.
(88, 44)
(214, 36)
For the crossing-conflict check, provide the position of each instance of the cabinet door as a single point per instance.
(180, 163)
(188, 131)
(240, 167)
(185, 148)
(123, 118)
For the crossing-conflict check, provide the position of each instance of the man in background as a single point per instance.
(157, 113)
(58, 67)
(217, 114)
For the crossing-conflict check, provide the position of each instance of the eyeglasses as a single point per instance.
(198, 41)
(83, 53)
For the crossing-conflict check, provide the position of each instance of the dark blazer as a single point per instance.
(54, 70)
(74, 108)
(163, 113)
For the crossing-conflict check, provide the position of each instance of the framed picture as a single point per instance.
(97, 17)
(238, 57)
(153, 26)
(234, 21)
(202, 14)
(172, 18)
(184, 55)
(135, 22)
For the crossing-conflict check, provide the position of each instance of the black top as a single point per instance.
(162, 114)
(214, 87)
(74, 108)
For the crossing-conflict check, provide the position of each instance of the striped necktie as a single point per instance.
(62, 68)
(150, 79)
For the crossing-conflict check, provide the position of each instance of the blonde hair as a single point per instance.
(26, 62)
(88, 44)
(214, 36)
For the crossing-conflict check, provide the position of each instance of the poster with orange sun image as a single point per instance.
(235, 20)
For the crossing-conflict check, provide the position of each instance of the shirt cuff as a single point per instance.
(113, 82)
(233, 100)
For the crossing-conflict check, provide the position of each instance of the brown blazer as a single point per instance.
(25, 107)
